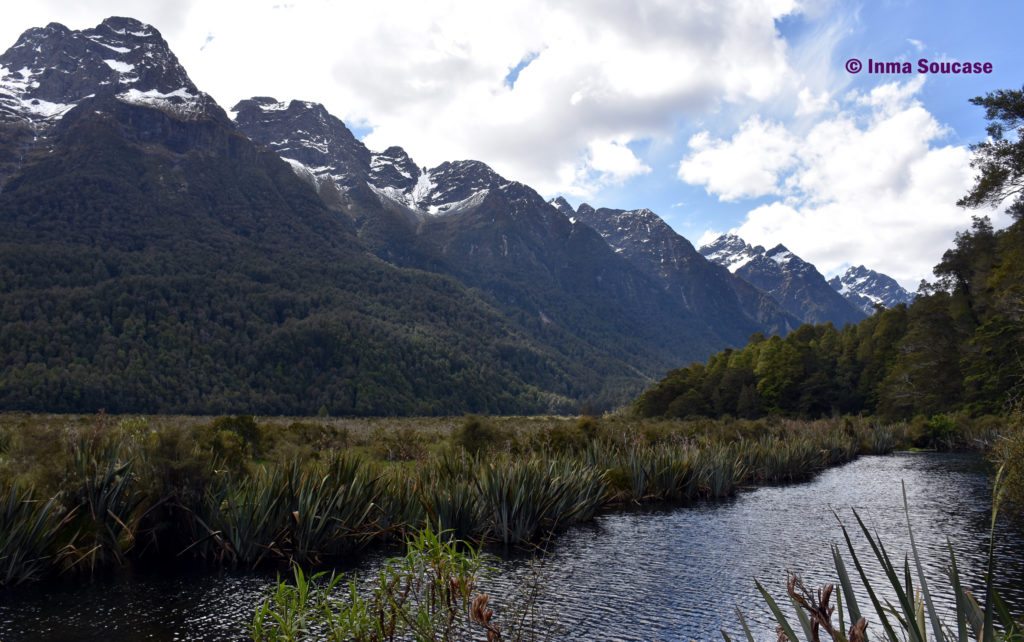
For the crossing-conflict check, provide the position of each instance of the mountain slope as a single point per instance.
(794, 283)
(866, 288)
(555, 275)
(736, 309)
(156, 260)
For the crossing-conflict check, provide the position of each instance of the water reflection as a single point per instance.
(662, 575)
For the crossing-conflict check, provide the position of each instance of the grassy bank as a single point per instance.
(82, 495)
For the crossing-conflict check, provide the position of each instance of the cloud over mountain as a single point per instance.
(872, 181)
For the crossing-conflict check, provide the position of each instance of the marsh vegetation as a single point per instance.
(89, 495)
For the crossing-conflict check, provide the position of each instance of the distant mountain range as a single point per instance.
(794, 283)
(163, 255)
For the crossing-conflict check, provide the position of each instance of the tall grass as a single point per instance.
(105, 506)
(288, 514)
(28, 529)
(243, 493)
(428, 594)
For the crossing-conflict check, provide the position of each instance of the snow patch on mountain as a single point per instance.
(118, 66)
(423, 188)
(302, 171)
(731, 252)
(121, 50)
(179, 102)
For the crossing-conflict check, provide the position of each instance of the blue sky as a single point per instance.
(729, 115)
(946, 30)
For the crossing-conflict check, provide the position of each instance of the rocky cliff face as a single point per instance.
(794, 283)
(643, 238)
(866, 289)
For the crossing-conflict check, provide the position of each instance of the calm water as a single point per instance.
(670, 575)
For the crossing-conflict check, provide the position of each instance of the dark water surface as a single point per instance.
(668, 575)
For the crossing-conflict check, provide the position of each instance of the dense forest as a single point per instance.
(958, 346)
(152, 264)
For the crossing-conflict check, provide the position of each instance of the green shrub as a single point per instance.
(401, 444)
(476, 435)
(246, 428)
(589, 426)
(429, 594)
(230, 450)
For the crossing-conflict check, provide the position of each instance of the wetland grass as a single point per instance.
(89, 495)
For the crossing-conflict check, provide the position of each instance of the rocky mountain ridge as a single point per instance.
(794, 283)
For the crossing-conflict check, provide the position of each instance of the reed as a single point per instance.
(243, 519)
(720, 471)
(28, 529)
(428, 594)
(105, 507)
(331, 510)
(401, 503)
(451, 498)
(665, 473)
(518, 497)
(881, 440)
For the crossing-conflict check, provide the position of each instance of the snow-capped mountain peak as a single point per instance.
(324, 151)
(318, 146)
(867, 288)
(50, 70)
(731, 252)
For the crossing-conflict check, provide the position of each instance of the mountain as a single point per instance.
(794, 283)
(541, 265)
(735, 307)
(325, 154)
(51, 70)
(155, 259)
(866, 288)
(162, 255)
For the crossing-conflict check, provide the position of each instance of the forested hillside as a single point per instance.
(155, 258)
(959, 345)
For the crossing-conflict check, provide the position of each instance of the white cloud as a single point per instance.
(615, 160)
(430, 76)
(809, 103)
(917, 44)
(892, 96)
(872, 184)
(748, 165)
(707, 237)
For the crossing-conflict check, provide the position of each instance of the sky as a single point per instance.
(721, 116)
